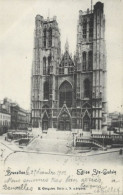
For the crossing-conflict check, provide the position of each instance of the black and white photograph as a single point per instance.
(61, 97)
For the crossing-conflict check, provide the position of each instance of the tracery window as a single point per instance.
(50, 37)
(65, 94)
(90, 60)
(90, 29)
(49, 63)
(44, 66)
(84, 28)
(44, 32)
(46, 90)
(87, 89)
(84, 60)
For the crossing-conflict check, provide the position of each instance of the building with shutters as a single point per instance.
(69, 93)
(5, 116)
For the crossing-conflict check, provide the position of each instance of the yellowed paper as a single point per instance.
(30, 170)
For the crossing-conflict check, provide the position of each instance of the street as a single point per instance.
(45, 169)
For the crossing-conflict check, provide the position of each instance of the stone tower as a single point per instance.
(47, 49)
(69, 93)
(91, 67)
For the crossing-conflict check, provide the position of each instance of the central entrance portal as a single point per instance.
(64, 122)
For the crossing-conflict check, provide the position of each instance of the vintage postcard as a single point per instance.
(61, 97)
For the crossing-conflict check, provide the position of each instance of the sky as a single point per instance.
(17, 22)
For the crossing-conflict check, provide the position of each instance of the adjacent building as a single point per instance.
(20, 118)
(12, 116)
(5, 116)
(115, 121)
(70, 93)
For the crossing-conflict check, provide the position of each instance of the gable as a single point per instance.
(86, 105)
(66, 60)
(64, 109)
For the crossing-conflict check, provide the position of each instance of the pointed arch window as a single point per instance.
(46, 90)
(44, 66)
(91, 29)
(87, 89)
(84, 61)
(44, 32)
(90, 60)
(65, 94)
(84, 29)
(50, 37)
(49, 64)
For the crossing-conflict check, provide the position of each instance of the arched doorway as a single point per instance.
(86, 123)
(45, 122)
(65, 94)
(64, 122)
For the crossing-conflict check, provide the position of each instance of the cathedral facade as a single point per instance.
(69, 93)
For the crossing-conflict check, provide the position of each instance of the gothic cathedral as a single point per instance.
(69, 93)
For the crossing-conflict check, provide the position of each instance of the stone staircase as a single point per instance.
(89, 141)
(54, 141)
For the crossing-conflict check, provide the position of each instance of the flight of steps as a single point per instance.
(89, 141)
(54, 141)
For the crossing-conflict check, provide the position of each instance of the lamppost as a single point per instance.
(121, 116)
(119, 123)
(74, 140)
(120, 119)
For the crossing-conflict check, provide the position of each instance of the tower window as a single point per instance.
(84, 61)
(84, 29)
(49, 63)
(91, 23)
(44, 37)
(44, 66)
(50, 38)
(90, 33)
(46, 90)
(90, 29)
(90, 60)
(87, 90)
